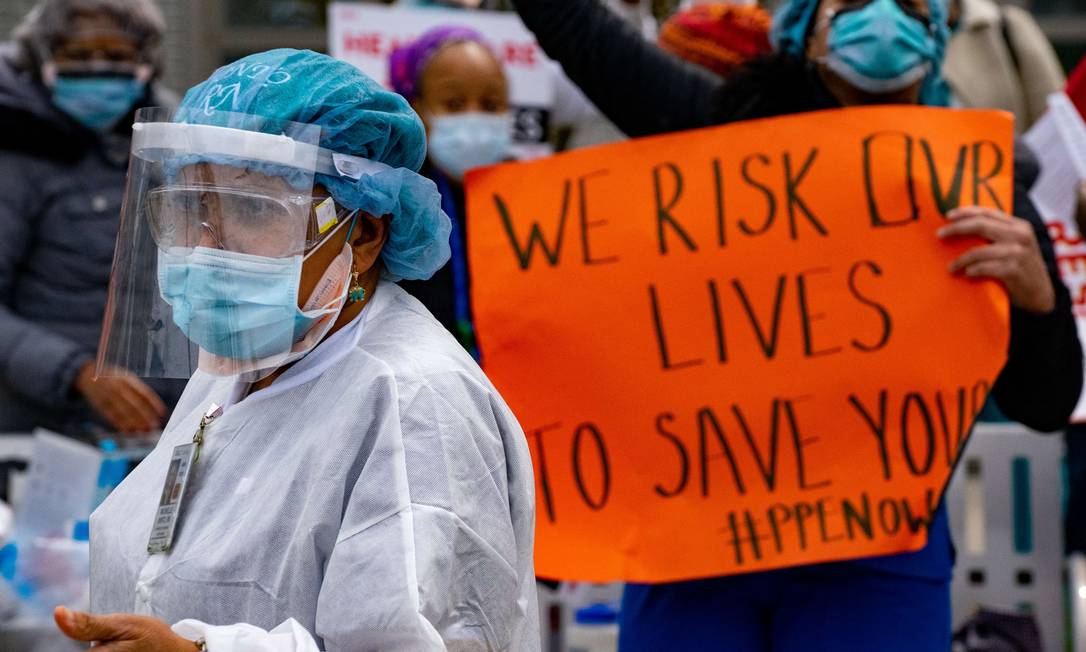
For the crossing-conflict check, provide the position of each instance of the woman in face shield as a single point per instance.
(339, 474)
(69, 86)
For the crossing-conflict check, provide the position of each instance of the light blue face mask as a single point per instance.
(244, 307)
(97, 102)
(879, 48)
(461, 141)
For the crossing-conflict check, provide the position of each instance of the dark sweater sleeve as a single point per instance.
(639, 87)
(1042, 380)
(37, 364)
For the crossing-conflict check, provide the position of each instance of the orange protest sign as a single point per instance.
(740, 348)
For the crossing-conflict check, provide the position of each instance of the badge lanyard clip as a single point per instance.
(198, 439)
(173, 490)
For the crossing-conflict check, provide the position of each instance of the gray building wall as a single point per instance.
(181, 68)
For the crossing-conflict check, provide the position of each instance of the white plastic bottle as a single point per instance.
(594, 629)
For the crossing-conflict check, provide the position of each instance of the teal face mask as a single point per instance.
(879, 48)
(97, 102)
(244, 307)
(234, 305)
(461, 141)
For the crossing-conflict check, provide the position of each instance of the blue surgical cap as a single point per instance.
(356, 117)
(792, 25)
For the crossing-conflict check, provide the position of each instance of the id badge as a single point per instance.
(173, 492)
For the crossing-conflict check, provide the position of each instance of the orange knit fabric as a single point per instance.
(718, 36)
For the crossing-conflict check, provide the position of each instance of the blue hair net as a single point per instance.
(356, 117)
(792, 24)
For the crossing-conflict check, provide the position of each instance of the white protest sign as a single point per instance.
(365, 35)
(1059, 141)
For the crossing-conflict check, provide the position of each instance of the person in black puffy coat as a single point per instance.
(69, 87)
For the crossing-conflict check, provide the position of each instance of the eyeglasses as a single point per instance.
(240, 221)
(99, 45)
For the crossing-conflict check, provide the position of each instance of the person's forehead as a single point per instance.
(99, 42)
(235, 177)
(467, 63)
(90, 28)
(91, 21)
(96, 31)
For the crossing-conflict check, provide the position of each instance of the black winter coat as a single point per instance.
(61, 187)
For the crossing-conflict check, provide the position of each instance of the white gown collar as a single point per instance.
(326, 354)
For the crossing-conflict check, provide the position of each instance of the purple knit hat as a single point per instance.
(407, 61)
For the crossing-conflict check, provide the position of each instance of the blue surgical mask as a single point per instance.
(461, 141)
(234, 305)
(879, 48)
(244, 307)
(97, 102)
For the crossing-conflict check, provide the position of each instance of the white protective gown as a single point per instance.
(378, 496)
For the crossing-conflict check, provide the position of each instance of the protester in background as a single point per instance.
(68, 89)
(719, 36)
(998, 58)
(456, 84)
(829, 53)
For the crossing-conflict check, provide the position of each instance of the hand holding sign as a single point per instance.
(1013, 257)
(739, 348)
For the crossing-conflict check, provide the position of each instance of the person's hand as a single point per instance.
(125, 401)
(121, 632)
(1012, 256)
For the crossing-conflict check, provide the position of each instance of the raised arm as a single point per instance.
(639, 87)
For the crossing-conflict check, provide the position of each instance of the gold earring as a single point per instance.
(356, 292)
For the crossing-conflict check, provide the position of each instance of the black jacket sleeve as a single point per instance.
(639, 87)
(1041, 383)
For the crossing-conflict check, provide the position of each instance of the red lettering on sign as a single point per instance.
(363, 43)
(518, 54)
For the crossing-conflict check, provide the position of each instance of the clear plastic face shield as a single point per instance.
(215, 227)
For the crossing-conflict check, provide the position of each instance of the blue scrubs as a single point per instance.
(899, 603)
